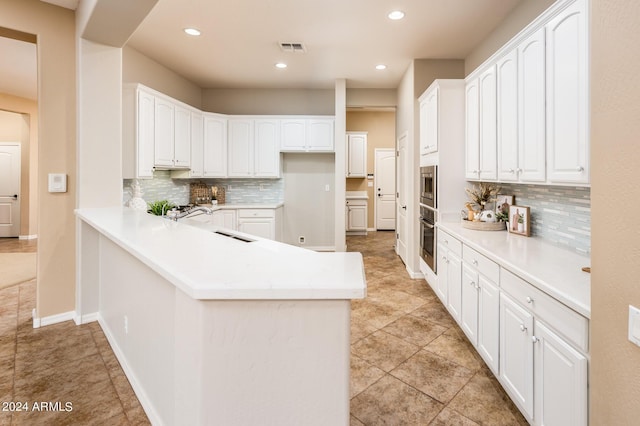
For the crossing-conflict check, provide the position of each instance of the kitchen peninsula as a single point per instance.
(213, 326)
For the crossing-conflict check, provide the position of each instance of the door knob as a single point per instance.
(15, 196)
(404, 207)
(379, 195)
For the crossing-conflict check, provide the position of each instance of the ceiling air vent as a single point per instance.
(293, 47)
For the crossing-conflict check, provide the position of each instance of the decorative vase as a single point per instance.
(520, 227)
(487, 216)
(136, 202)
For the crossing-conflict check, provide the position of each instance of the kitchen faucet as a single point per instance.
(187, 212)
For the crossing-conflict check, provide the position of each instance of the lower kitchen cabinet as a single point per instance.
(356, 220)
(265, 223)
(449, 287)
(224, 219)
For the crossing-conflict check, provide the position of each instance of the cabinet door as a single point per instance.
(560, 381)
(356, 155)
(357, 218)
(431, 121)
(488, 127)
(567, 103)
(507, 74)
(454, 285)
(266, 148)
(516, 353)
(293, 135)
(229, 219)
(197, 144)
(215, 147)
(442, 284)
(264, 228)
(320, 135)
(489, 323)
(469, 317)
(531, 108)
(164, 133)
(182, 137)
(145, 135)
(472, 129)
(240, 148)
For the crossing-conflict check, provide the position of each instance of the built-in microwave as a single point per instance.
(428, 186)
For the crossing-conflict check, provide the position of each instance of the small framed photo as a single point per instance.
(503, 202)
(520, 220)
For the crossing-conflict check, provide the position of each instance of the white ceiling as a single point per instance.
(239, 43)
(344, 39)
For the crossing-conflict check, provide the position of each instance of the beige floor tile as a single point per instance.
(355, 422)
(384, 350)
(397, 300)
(415, 330)
(360, 329)
(392, 402)
(363, 375)
(481, 402)
(448, 417)
(457, 350)
(435, 312)
(434, 375)
(376, 315)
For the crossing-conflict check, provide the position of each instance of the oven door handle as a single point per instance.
(427, 224)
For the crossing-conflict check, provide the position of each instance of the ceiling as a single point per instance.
(239, 45)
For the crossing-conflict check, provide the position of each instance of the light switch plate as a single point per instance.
(634, 325)
(57, 182)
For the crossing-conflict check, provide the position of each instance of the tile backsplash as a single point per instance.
(559, 214)
(238, 191)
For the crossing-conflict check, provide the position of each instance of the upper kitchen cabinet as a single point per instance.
(567, 100)
(137, 133)
(254, 148)
(521, 112)
(481, 126)
(306, 135)
(441, 112)
(214, 150)
(172, 135)
(196, 119)
(356, 154)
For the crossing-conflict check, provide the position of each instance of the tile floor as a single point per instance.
(410, 363)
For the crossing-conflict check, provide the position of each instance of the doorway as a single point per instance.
(10, 160)
(385, 189)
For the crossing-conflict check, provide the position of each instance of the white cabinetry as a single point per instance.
(307, 135)
(481, 305)
(254, 148)
(356, 216)
(567, 101)
(197, 149)
(543, 365)
(172, 147)
(481, 126)
(356, 155)
(225, 219)
(240, 146)
(449, 268)
(263, 223)
(429, 120)
(137, 133)
(214, 151)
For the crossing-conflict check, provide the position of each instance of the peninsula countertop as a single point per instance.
(555, 270)
(207, 265)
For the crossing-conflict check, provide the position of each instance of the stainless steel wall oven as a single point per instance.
(428, 214)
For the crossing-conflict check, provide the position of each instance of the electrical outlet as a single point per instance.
(327, 188)
(262, 188)
(126, 324)
(229, 187)
(301, 239)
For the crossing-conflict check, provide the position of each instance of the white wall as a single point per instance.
(309, 210)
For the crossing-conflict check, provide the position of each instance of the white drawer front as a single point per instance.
(486, 267)
(256, 213)
(563, 319)
(450, 242)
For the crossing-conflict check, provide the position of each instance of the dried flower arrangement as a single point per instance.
(482, 194)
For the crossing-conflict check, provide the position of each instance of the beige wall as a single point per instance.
(55, 30)
(372, 97)
(519, 18)
(269, 101)
(18, 123)
(427, 70)
(615, 126)
(381, 130)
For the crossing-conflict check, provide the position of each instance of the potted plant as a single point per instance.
(160, 208)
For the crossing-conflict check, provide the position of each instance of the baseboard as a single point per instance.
(151, 413)
(356, 233)
(85, 319)
(28, 237)
(52, 319)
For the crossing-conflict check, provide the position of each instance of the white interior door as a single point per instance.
(9, 190)
(385, 184)
(401, 230)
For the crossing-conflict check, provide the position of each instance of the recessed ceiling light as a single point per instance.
(192, 31)
(281, 65)
(381, 67)
(396, 14)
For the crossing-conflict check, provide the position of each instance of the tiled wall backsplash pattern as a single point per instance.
(238, 191)
(561, 215)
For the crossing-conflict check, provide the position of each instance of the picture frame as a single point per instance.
(520, 220)
(504, 199)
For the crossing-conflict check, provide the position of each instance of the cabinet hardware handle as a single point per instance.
(523, 328)
(529, 300)
(512, 171)
(534, 339)
(446, 241)
(518, 170)
(472, 283)
(475, 262)
(579, 168)
(478, 288)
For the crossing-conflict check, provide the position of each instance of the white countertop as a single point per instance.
(206, 265)
(552, 269)
(215, 207)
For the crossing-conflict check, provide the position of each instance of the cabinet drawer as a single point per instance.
(450, 242)
(355, 202)
(566, 321)
(486, 267)
(256, 213)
